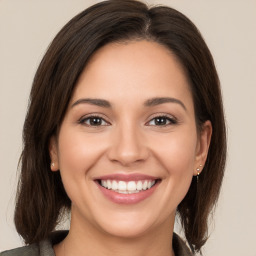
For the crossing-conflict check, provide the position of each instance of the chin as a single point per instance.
(133, 224)
(127, 230)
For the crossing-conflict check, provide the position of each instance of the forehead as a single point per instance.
(133, 70)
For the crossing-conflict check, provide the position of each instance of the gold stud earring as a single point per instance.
(198, 173)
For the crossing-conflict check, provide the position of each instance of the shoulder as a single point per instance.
(43, 248)
(179, 246)
(30, 250)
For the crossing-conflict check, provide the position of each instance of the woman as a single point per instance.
(125, 129)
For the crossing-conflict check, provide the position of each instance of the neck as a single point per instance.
(88, 240)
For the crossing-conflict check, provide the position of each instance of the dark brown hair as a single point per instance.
(41, 197)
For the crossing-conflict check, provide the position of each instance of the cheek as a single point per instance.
(177, 152)
(177, 155)
(77, 154)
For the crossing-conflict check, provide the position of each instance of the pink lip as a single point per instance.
(126, 177)
(126, 198)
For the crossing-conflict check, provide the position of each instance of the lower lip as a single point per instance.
(134, 198)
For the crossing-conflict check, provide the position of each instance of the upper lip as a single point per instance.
(127, 177)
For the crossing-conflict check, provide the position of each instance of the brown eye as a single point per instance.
(162, 121)
(93, 121)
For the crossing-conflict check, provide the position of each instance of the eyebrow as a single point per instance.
(148, 103)
(161, 100)
(96, 102)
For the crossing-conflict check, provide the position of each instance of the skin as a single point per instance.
(129, 140)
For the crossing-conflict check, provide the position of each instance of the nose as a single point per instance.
(128, 146)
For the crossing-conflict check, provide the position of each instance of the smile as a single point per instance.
(129, 187)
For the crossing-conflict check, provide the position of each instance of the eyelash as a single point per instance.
(170, 119)
(83, 120)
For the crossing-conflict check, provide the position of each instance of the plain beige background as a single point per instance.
(229, 28)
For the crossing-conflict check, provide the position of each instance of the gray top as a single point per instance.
(45, 248)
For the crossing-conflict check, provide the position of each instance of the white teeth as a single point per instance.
(104, 183)
(122, 185)
(145, 185)
(139, 185)
(109, 184)
(114, 185)
(131, 186)
(127, 192)
(127, 187)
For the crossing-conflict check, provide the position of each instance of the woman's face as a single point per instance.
(128, 146)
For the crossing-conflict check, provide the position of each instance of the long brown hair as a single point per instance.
(41, 197)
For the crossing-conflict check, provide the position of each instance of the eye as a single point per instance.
(93, 121)
(162, 121)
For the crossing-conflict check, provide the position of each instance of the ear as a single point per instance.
(203, 143)
(53, 150)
